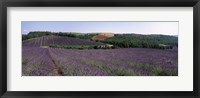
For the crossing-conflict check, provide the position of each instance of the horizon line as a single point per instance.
(97, 32)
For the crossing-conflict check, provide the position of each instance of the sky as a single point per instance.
(164, 28)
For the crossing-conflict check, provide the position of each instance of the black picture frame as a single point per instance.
(99, 3)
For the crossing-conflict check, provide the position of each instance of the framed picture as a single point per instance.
(76, 48)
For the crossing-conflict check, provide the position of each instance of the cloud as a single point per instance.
(25, 30)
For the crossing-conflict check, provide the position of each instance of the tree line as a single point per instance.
(119, 40)
(143, 41)
(66, 34)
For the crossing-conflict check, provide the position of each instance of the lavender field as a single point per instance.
(38, 61)
(57, 40)
(99, 48)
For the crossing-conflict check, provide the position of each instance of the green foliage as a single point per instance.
(25, 37)
(81, 46)
(72, 46)
(97, 64)
(35, 34)
(123, 72)
(38, 34)
(115, 72)
(156, 70)
(31, 67)
(24, 61)
(86, 36)
(67, 34)
(77, 35)
(103, 47)
(143, 41)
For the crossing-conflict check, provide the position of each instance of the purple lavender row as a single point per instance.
(103, 56)
(73, 62)
(36, 62)
(57, 40)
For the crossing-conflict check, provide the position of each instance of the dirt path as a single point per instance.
(57, 71)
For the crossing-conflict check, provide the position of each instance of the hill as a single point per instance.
(78, 40)
(57, 40)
